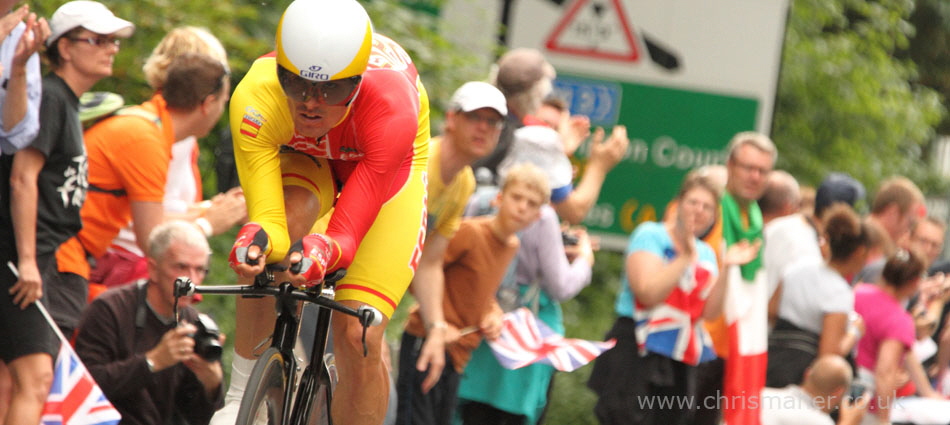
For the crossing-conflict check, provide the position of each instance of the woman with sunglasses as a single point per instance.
(336, 118)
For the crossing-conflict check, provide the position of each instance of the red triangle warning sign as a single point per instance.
(595, 28)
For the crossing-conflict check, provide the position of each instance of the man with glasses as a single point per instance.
(336, 118)
(740, 337)
(43, 187)
(129, 154)
(145, 360)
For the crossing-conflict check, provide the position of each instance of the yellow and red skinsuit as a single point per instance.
(378, 153)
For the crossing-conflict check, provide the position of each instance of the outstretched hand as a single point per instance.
(10, 20)
(742, 252)
(606, 154)
(684, 236)
(573, 131)
(227, 210)
(37, 30)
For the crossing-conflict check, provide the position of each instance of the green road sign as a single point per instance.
(671, 131)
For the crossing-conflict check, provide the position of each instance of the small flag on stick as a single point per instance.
(524, 340)
(74, 398)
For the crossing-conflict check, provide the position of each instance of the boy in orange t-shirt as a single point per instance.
(475, 263)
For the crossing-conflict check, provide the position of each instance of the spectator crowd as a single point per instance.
(755, 299)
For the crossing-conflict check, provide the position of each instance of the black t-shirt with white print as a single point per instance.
(62, 181)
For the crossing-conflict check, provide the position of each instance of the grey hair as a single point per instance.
(756, 140)
(165, 234)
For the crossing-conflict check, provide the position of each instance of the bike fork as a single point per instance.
(315, 373)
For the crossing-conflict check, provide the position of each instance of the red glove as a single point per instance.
(250, 234)
(319, 253)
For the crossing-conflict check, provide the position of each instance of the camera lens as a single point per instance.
(208, 348)
(206, 337)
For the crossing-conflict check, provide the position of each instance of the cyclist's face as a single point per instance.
(313, 118)
(179, 260)
(317, 106)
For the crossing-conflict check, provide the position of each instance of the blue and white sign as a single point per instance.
(598, 100)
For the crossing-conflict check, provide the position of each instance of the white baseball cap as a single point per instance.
(91, 15)
(476, 95)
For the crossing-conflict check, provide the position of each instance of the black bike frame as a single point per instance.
(302, 408)
(285, 331)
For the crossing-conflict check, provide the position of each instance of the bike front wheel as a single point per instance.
(263, 402)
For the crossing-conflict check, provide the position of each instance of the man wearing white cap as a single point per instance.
(473, 124)
(47, 187)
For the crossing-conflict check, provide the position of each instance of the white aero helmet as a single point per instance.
(322, 40)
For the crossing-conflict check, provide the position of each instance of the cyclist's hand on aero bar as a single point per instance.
(313, 256)
(250, 246)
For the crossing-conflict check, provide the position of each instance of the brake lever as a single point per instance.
(183, 287)
(368, 316)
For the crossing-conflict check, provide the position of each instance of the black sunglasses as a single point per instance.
(333, 92)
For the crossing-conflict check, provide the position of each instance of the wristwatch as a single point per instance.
(150, 364)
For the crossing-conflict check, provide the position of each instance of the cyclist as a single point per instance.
(336, 110)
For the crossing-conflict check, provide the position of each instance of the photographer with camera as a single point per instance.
(154, 369)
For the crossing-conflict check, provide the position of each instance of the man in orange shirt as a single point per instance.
(128, 163)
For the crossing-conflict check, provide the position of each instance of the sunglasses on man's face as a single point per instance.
(332, 93)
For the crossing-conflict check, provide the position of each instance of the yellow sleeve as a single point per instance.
(261, 122)
(459, 191)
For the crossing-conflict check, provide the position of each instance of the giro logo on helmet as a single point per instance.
(313, 73)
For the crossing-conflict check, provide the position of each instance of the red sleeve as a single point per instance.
(385, 123)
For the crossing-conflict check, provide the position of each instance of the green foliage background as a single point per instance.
(862, 89)
(846, 102)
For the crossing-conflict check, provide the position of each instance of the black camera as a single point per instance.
(207, 342)
(569, 239)
(856, 391)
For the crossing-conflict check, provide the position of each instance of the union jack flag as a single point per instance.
(674, 328)
(524, 341)
(75, 398)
